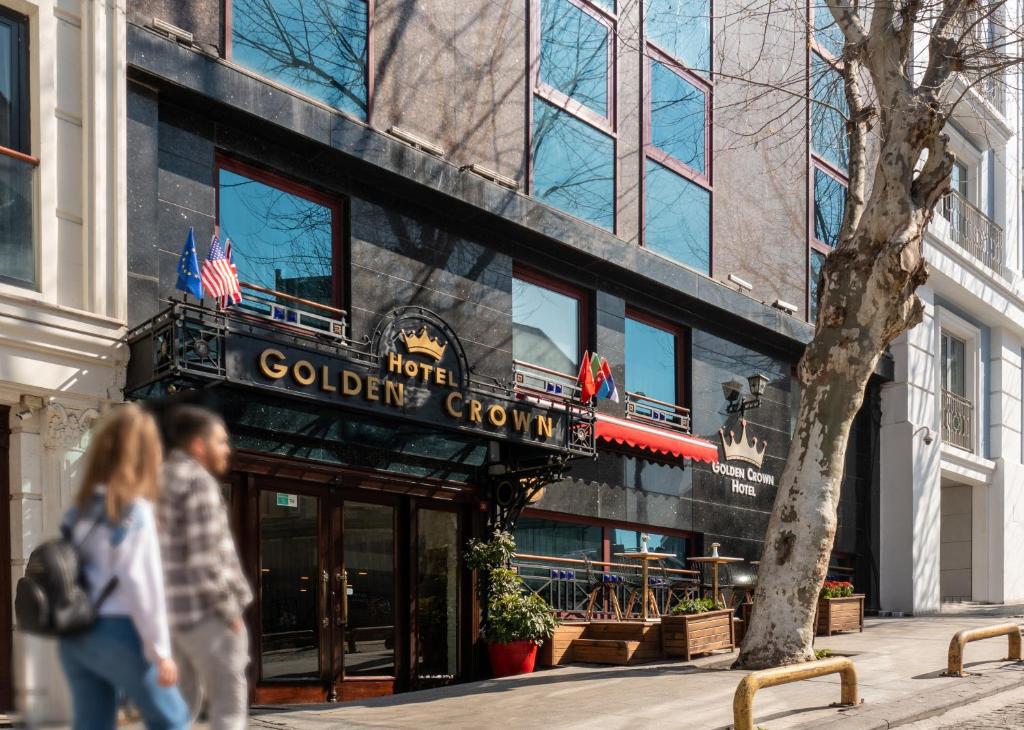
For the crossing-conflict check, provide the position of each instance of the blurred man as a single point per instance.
(206, 589)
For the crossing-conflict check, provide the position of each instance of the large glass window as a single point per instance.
(827, 33)
(573, 165)
(282, 236)
(318, 48)
(954, 365)
(829, 207)
(817, 261)
(678, 217)
(829, 113)
(681, 28)
(17, 166)
(574, 53)
(545, 327)
(651, 358)
(629, 540)
(678, 116)
(557, 539)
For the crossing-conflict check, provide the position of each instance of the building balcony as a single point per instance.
(653, 412)
(957, 421)
(975, 232)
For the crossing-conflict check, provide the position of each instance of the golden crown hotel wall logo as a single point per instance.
(751, 457)
(415, 366)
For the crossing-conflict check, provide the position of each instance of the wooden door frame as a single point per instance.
(6, 619)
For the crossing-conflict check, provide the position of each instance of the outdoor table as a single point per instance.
(645, 560)
(715, 560)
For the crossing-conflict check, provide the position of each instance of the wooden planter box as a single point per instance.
(697, 633)
(840, 614)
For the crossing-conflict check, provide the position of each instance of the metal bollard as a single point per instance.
(955, 660)
(743, 700)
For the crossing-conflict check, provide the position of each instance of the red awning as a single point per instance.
(651, 438)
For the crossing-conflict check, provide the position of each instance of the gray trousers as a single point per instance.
(211, 662)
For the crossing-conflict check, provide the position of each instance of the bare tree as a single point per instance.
(902, 62)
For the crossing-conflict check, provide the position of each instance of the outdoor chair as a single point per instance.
(678, 587)
(604, 586)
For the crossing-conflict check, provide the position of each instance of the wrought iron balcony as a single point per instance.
(644, 409)
(975, 232)
(957, 421)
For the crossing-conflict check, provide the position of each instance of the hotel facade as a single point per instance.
(437, 210)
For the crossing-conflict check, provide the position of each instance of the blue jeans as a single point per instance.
(105, 664)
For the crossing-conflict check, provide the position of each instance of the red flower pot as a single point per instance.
(516, 657)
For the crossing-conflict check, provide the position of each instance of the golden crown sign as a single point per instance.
(742, 450)
(423, 344)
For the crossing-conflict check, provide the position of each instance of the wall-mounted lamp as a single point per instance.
(733, 391)
(28, 405)
(928, 438)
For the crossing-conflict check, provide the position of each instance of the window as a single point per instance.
(677, 133)
(629, 540)
(572, 150)
(954, 365)
(17, 166)
(558, 539)
(284, 237)
(573, 165)
(829, 145)
(652, 359)
(317, 48)
(546, 325)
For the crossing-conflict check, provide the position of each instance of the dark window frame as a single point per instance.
(339, 290)
(582, 296)
(680, 333)
(370, 80)
(605, 125)
(815, 161)
(653, 52)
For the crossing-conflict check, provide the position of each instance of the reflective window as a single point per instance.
(574, 53)
(678, 116)
(369, 543)
(678, 218)
(17, 249)
(681, 28)
(545, 327)
(954, 365)
(829, 205)
(289, 568)
(317, 48)
(557, 539)
(829, 113)
(650, 361)
(280, 240)
(627, 540)
(573, 165)
(437, 594)
(826, 33)
(817, 261)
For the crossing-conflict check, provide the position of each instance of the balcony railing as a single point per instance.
(992, 88)
(654, 412)
(957, 421)
(296, 312)
(975, 232)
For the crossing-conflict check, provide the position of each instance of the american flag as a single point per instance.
(219, 274)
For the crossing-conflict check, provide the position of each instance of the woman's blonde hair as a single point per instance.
(124, 455)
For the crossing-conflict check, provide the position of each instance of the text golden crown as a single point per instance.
(742, 450)
(422, 343)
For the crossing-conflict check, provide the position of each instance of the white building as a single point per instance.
(62, 282)
(952, 492)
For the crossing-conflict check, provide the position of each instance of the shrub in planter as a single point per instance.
(517, 621)
(839, 608)
(696, 626)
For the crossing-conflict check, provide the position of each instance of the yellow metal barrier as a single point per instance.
(955, 661)
(743, 700)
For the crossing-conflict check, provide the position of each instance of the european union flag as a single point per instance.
(188, 268)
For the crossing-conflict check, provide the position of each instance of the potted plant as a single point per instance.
(839, 608)
(696, 626)
(517, 621)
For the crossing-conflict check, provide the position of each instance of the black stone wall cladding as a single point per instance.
(408, 249)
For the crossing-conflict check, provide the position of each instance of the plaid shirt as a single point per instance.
(202, 573)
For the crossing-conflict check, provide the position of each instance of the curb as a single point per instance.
(895, 713)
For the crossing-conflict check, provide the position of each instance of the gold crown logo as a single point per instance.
(423, 344)
(742, 450)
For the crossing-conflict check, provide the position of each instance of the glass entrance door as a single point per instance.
(437, 597)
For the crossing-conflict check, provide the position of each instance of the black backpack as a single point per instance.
(53, 598)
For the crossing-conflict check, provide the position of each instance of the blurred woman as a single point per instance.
(127, 652)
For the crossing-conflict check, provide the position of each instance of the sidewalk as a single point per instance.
(898, 660)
